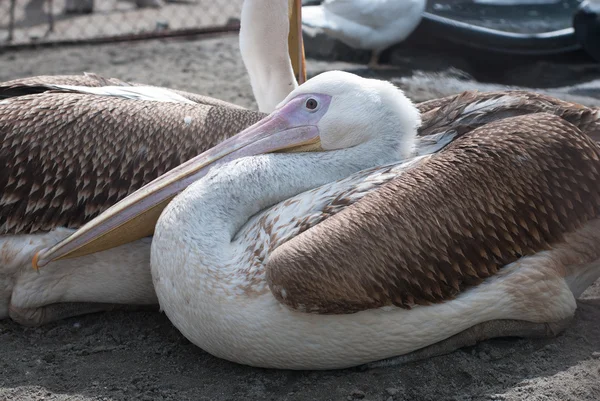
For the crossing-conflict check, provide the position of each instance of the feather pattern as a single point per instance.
(46, 83)
(425, 233)
(468, 110)
(272, 228)
(66, 157)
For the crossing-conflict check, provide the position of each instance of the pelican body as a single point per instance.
(74, 145)
(131, 143)
(327, 239)
(57, 175)
(109, 137)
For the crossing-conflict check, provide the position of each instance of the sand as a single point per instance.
(111, 18)
(140, 356)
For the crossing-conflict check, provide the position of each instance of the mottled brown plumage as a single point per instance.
(87, 79)
(66, 157)
(89, 151)
(44, 83)
(506, 190)
(466, 111)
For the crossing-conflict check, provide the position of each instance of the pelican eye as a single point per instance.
(311, 104)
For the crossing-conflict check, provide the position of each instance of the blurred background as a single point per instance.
(529, 43)
(59, 21)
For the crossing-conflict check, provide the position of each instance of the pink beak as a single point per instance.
(290, 128)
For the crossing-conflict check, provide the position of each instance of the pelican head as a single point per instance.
(352, 110)
(331, 112)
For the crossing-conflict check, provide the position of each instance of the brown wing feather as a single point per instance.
(64, 158)
(466, 111)
(87, 79)
(83, 114)
(509, 189)
(43, 83)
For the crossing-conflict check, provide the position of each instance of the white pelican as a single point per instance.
(122, 276)
(366, 24)
(335, 258)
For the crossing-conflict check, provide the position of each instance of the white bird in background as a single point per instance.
(366, 24)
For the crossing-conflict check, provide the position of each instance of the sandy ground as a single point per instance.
(110, 18)
(140, 356)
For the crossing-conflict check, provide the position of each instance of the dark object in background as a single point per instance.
(586, 22)
(536, 29)
(500, 41)
(525, 28)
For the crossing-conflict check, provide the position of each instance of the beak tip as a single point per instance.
(35, 262)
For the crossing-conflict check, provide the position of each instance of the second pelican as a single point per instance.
(291, 260)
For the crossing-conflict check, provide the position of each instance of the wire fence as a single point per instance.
(24, 22)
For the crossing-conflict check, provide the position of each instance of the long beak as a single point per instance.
(135, 216)
(295, 42)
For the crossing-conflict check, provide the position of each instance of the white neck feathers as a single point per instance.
(264, 47)
(202, 221)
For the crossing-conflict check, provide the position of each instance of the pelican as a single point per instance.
(321, 238)
(74, 145)
(366, 24)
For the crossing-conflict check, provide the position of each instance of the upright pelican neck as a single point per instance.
(264, 33)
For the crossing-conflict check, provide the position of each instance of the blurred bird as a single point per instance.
(366, 24)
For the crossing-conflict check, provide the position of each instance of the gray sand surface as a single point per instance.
(140, 356)
(111, 18)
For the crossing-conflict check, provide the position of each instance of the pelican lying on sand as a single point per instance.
(366, 24)
(347, 255)
(74, 145)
